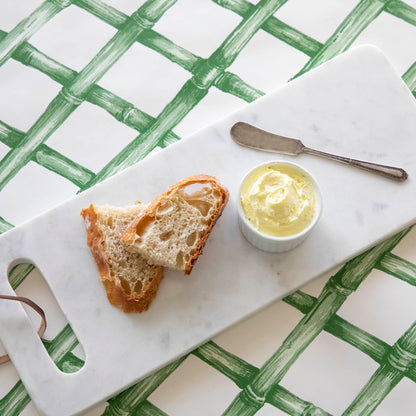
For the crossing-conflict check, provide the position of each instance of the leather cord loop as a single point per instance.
(33, 305)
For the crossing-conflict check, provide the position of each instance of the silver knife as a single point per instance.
(247, 135)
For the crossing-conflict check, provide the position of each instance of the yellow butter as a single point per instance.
(278, 200)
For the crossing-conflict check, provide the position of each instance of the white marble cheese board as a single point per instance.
(355, 105)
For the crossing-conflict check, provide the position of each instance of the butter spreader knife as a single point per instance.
(247, 135)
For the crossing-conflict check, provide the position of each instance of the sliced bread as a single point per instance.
(172, 230)
(130, 281)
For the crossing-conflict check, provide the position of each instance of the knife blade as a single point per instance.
(247, 135)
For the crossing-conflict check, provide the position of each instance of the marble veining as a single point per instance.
(332, 108)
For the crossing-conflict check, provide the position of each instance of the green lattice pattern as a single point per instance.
(258, 385)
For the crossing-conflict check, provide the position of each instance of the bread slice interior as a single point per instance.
(172, 230)
(130, 281)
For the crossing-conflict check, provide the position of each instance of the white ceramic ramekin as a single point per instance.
(277, 244)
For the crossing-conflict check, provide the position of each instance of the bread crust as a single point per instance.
(128, 236)
(116, 295)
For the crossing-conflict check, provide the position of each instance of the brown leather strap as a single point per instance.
(33, 305)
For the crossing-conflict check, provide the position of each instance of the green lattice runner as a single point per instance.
(258, 385)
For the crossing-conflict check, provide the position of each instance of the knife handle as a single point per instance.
(391, 172)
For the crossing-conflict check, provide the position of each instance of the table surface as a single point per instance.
(361, 357)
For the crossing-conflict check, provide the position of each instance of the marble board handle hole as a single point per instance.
(28, 282)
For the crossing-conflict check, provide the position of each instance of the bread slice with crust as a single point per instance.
(172, 230)
(130, 281)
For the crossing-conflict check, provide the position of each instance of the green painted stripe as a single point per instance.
(10, 136)
(63, 343)
(104, 12)
(170, 50)
(4, 225)
(19, 273)
(356, 21)
(61, 165)
(47, 157)
(409, 77)
(237, 370)
(29, 26)
(402, 11)
(275, 27)
(14, 402)
(233, 84)
(70, 363)
(398, 267)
